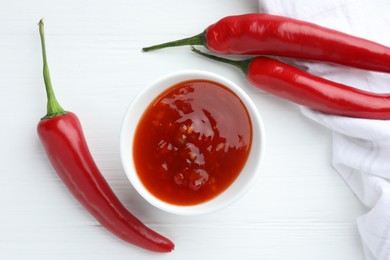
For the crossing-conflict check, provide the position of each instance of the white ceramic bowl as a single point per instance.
(245, 179)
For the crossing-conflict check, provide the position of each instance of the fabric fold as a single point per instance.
(361, 147)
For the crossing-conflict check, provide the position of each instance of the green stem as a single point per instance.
(198, 39)
(241, 64)
(53, 107)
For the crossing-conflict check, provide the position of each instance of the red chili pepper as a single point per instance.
(62, 137)
(295, 85)
(266, 34)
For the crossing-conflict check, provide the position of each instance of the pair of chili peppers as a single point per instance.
(62, 136)
(265, 34)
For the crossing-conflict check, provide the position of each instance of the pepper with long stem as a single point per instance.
(288, 82)
(273, 35)
(62, 137)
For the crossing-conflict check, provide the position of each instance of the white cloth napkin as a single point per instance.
(361, 147)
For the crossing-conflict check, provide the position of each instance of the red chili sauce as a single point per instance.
(192, 142)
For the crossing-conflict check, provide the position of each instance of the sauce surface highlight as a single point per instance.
(192, 142)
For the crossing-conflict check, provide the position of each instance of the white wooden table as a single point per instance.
(299, 208)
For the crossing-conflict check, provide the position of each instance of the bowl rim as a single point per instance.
(130, 123)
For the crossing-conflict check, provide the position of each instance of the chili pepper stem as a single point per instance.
(241, 64)
(53, 107)
(194, 40)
